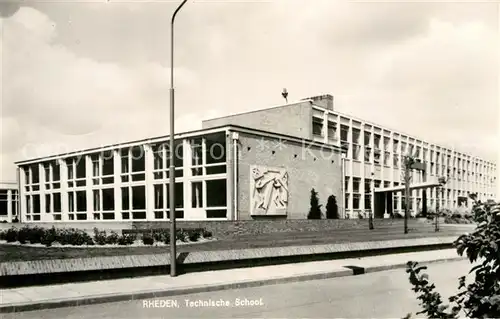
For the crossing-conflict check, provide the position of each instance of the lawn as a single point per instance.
(24, 253)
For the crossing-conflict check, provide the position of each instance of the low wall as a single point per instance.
(232, 229)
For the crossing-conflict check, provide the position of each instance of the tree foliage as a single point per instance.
(332, 211)
(315, 210)
(481, 298)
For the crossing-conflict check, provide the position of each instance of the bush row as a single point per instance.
(457, 219)
(77, 237)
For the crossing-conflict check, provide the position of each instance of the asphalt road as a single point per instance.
(374, 295)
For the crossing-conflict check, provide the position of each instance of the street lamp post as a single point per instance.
(173, 253)
(442, 181)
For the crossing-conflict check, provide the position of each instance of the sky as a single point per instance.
(80, 74)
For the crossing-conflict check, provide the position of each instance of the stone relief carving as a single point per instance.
(269, 191)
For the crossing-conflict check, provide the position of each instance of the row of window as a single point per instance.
(206, 194)
(356, 202)
(384, 144)
(6, 200)
(208, 157)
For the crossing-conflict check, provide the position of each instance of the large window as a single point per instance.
(332, 131)
(355, 201)
(162, 201)
(53, 205)
(368, 149)
(356, 151)
(317, 126)
(211, 195)
(52, 179)
(368, 194)
(4, 202)
(162, 160)
(14, 202)
(215, 154)
(356, 184)
(344, 133)
(77, 205)
(103, 195)
(32, 198)
(134, 202)
(387, 158)
(76, 171)
(403, 148)
(104, 203)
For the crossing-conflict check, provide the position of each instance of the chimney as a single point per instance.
(325, 101)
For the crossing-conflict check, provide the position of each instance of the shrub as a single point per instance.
(194, 234)
(2, 235)
(332, 211)
(182, 235)
(166, 239)
(11, 235)
(4, 221)
(35, 235)
(206, 233)
(480, 299)
(23, 235)
(77, 237)
(49, 237)
(315, 210)
(161, 235)
(15, 220)
(63, 236)
(125, 240)
(148, 239)
(100, 237)
(112, 239)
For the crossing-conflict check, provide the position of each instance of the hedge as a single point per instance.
(77, 237)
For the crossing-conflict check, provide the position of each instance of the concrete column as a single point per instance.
(64, 190)
(9, 206)
(187, 173)
(41, 178)
(231, 179)
(117, 169)
(325, 127)
(150, 196)
(88, 189)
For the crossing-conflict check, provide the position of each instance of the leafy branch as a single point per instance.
(481, 298)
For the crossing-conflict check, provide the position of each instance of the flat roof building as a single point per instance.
(373, 162)
(254, 165)
(8, 201)
(227, 172)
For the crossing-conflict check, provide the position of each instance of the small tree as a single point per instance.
(331, 208)
(315, 210)
(408, 161)
(480, 299)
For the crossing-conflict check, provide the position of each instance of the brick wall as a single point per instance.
(308, 167)
(77, 225)
(231, 229)
(292, 119)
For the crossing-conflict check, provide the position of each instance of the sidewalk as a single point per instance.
(75, 294)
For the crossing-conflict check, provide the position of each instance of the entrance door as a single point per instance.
(379, 202)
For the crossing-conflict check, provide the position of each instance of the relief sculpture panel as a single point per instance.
(269, 187)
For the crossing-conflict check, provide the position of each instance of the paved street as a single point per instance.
(375, 295)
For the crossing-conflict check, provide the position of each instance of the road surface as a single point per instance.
(384, 294)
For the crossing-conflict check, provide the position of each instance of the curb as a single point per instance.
(140, 295)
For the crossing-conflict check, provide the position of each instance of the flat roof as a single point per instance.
(354, 118)
(164, 138)
(8, 185)
(412, 187)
